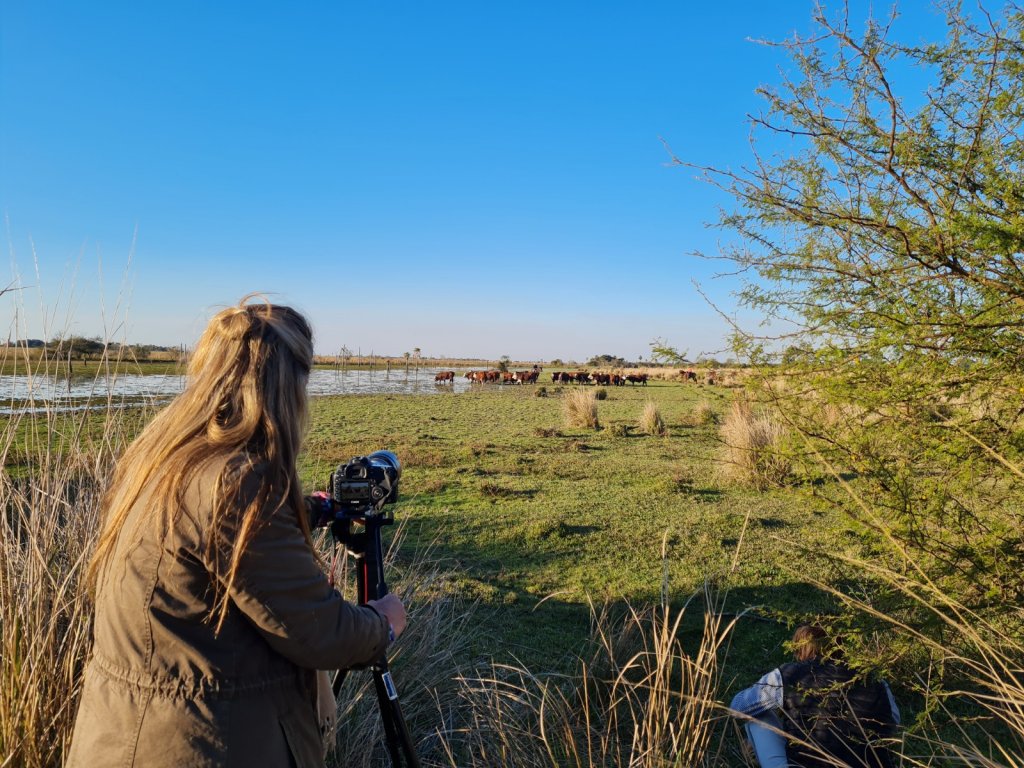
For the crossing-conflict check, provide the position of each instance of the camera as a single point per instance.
(360, 487)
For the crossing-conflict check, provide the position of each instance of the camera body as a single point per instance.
(356, 489)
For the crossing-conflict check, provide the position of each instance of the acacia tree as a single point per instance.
(887, 229)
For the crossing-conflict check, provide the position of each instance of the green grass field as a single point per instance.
(536, 519)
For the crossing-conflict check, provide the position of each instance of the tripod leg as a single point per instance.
(399, 741)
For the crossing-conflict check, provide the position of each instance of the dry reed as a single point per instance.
(651, 422)
(703, 414)
(753, 442)
(580, 406)
(641, 700)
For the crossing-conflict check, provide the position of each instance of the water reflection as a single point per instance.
(36, 394)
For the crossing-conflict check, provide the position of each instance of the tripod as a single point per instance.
(365, 547)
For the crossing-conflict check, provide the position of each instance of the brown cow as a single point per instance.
(445, 377)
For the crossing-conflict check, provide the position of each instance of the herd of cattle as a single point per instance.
(531, 376)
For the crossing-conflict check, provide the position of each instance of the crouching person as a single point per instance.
(816, 713)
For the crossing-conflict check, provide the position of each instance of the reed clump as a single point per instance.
(651, 421)
(753, 447)
(49, 525)
(704, 415)
(580, 407)
(640, 699)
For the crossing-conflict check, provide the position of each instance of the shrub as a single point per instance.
(581, 409)
(600, 393)
(753, 447)
(651, 422)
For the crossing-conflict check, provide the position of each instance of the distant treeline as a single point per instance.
(94, 348)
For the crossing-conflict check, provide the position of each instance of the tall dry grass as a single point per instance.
(580, 409)
(642, 699)
(651, 421)
(752, 443)
(54, 470)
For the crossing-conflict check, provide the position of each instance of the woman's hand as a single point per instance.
(391, 608)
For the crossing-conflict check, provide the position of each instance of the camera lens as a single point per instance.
(386, 458)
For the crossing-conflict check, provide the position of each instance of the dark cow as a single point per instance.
(618, 381)
(689, 376)
(580, 377)
(601, 378)
(637, 378)
(445, 377)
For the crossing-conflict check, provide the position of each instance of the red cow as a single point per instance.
(445, 377)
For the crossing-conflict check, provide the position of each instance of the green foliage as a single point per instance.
(663, 352)
(891, 236)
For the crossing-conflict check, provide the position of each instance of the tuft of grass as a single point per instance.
(581, 409)
(540, 392)
(641, 699)
(600, 393)
(753, 442)
(618, 430)
(651, 422)
(704, 415)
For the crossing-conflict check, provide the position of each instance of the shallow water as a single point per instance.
(37, 394)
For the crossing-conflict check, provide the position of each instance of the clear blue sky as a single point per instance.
(473, 179)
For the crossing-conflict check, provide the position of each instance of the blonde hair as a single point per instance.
(244, 400)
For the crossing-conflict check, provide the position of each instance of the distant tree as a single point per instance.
(78, 347)
(503, 363)
(556, 361)
(607, 361)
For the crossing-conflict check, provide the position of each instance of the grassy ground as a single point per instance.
(539, 518)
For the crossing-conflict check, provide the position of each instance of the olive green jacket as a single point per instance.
(163, 689)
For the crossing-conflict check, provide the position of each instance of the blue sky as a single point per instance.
(473, 179)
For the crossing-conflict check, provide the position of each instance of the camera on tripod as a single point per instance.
(353, 507)
(360, 487)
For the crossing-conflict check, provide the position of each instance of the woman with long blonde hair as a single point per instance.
(212, 613)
